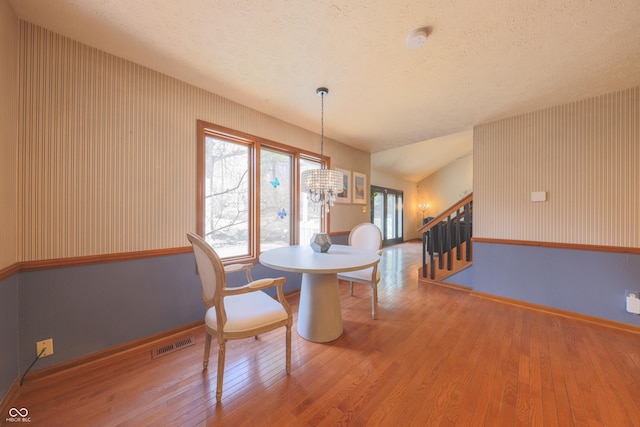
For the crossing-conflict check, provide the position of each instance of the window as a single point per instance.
(310, 214)
(276, 187)
(226, 196)
(248, 193)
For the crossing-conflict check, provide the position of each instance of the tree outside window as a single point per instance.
(226, 195)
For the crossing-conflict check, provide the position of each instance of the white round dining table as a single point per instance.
(319, 313)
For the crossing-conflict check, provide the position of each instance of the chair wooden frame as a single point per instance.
(373, 282)
(232, 268)
(209, 263)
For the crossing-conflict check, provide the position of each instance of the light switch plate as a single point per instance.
(538, 196)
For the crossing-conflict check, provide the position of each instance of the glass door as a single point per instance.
(386, 213)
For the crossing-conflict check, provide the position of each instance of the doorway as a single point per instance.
(386, 213)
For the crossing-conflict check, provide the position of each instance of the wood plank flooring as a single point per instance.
(435, 356)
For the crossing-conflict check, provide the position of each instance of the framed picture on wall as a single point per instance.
(345, 195)
(359, 188)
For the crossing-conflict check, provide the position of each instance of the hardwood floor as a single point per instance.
(435, 356)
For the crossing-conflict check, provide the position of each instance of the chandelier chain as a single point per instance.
(322, 129)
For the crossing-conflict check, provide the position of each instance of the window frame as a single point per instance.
(255, 144)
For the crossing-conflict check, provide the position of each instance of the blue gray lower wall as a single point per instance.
(341, 239)
(463, 278)
(86, 309)
(8, 334)
(90, 308)
(586, 282)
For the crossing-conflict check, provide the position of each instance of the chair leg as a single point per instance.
(374, 300)
(288, 353)
(221, 353)
(207, 349)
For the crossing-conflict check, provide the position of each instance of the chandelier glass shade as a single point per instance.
(322, 185)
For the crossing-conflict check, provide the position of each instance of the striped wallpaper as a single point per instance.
(9, 37)
(585, 155)
(107, 149)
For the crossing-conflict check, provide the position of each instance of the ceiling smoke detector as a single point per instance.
(416, 38)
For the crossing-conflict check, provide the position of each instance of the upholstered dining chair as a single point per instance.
(365, 236)
(232, 268)
(236, 313)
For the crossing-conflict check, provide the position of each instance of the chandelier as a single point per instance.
(322, 184)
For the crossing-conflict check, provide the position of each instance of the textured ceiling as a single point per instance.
(483, 60)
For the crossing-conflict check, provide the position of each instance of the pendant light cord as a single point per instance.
(322, 130)
(322, 91)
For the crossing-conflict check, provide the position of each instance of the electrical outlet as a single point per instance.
(46, 345)
(633, 302)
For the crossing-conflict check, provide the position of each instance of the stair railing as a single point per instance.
(446, 232)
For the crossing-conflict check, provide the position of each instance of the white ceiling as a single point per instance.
(415, 162)
(483, 60)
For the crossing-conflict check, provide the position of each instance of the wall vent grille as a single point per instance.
(170, 348)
